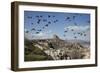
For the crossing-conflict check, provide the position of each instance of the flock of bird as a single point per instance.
(47, 22)
(39, 20)
(79, 33)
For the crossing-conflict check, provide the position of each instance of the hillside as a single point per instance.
(33, 53)
(54, 49)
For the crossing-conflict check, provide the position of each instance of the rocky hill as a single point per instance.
(56, 49)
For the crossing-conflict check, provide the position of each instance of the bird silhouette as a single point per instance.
(53, 16)
(41, 16)
(75, 37)
(74, 17)
(37, 32)
(32, 23)
(37, 16)
(72, 29)
(27, 31)
(81, 34)
(49, 16)
(84, 34)
(67, 18)
(46, 25)
(65, 31)
(32, 29)
(38, 21)
(78, 33)
(88, 21)
(49, 22)
(29, 17)
(55, 21)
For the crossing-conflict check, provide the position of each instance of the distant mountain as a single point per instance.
(82, 42)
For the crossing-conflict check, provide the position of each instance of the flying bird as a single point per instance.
(27, 31)
(75, 37)
(49, 16)
(66, 31)
(37, 32)
(78, 33)
(74, 17)
(37, 16)
(30, 17)
(32, 23)
(84, 34)
(49, 22)
(41, 16)
(81, 34)
(67, 18)
(88, 21)
(53, 16)
(38, 21)
(83, 31)
(55, 21)
(32, 29)
(46, 25)
(72, 29)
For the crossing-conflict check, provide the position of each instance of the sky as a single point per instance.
(43, 25)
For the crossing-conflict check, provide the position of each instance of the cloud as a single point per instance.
(41, 35)
(77, 28)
